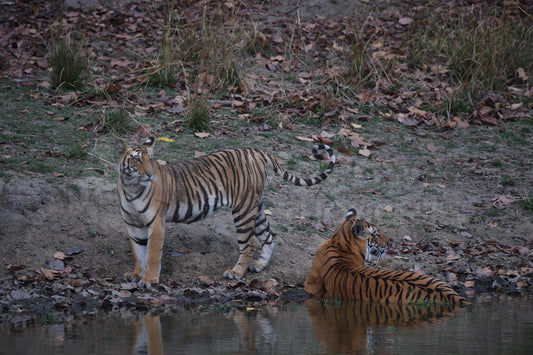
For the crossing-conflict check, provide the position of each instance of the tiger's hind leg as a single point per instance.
(266, 238)
(245, 223)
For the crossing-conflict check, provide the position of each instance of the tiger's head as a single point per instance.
(359, 238)
(136, 163)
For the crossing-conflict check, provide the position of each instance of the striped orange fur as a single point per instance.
(338, 271)
(152, 194)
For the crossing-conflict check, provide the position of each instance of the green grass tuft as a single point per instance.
(68, 63)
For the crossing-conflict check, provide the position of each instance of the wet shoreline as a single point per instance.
(43, 302)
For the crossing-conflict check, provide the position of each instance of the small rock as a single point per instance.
(465, 234)
(20, 319)
(121, 293)
(56, 265)
(19, 295)
(128, 286)
(451, 278)
(75, 250)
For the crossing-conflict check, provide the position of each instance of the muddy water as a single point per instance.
(490, 325)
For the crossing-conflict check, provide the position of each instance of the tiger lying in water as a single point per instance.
(151, 194)
(338, 271)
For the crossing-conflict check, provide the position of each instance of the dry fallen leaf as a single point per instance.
(305, 139)
(364, 152)
(405, 21)
(470, 284)
(357, 140)
(205, 280)
(324, 140)
(453, 257)
(501, 202)
(526, 270)
(431, 147)
(202, 134)
(485, 272)
(326, 134)
(522, 74)
(345, 150)
(59, 255)
(416, 111)
(522, 283)
(270, 286)
(47, 273)
(165, 139)
(388, 208)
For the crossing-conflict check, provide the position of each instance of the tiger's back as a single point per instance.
(338, 271)
(197, 188)
(392, 287)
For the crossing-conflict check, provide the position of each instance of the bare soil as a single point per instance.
(455, 227)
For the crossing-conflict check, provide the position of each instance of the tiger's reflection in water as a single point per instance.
(255, 332)
(340, 327)
(347, 327)
(148, 338)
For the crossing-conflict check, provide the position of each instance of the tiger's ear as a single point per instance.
(351, 213)
(359, 230)
(149, 144)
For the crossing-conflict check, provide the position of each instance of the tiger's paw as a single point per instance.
(131, 277)
(232, 275)
(147, 282)
(257, 265)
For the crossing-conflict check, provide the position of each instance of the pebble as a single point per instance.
(19, 295)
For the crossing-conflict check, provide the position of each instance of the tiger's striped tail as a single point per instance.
(319, 178)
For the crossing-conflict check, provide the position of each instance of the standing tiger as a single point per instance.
(151, 194)
(338, 271)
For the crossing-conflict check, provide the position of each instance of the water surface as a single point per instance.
(490, 325)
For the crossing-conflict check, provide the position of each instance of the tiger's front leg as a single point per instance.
(153, 253)
(138, 240)
(147, 247)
